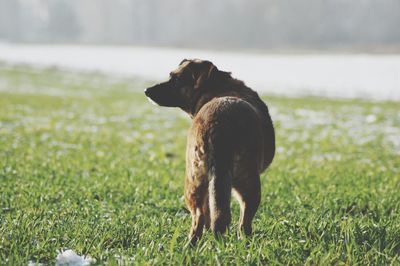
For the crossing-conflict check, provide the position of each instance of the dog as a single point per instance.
(230, 143)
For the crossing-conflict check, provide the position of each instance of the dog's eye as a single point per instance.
(178, 80)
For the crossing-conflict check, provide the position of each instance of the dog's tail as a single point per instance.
(220, 180)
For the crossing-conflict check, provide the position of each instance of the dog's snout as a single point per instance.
(163, 94)
(150, 91)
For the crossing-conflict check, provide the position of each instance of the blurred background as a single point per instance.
(365, 25)
(334, 48)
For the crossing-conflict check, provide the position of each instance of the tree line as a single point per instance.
(255, 24)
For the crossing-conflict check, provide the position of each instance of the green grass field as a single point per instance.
(86, 163)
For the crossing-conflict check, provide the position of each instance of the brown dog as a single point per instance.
(230, 143)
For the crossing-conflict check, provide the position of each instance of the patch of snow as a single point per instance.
(70, 258)
(280, 149)
(370, 118)
(330, 75)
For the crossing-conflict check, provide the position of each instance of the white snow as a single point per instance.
(370, 118)
(332, 75)
(70, 258)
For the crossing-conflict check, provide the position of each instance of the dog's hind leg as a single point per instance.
(206, 211)
(248, 193)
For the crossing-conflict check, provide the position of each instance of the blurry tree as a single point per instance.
(256, 24)
(9, 20)
(62, 23)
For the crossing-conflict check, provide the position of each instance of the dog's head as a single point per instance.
(186, 83)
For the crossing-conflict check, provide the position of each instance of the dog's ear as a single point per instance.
(215, 74)
(183, 61)
(209, 73)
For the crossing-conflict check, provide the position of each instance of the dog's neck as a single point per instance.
(206, 93)
(198, 103)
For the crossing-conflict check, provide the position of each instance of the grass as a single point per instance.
(87, 163)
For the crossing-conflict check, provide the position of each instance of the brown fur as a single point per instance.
(230, 143)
